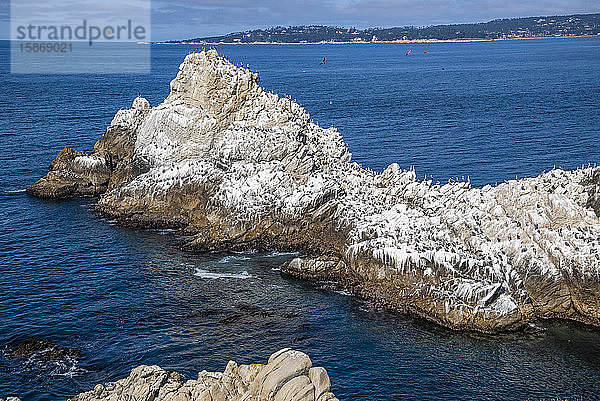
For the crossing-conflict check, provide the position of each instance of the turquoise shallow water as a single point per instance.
(126, 297)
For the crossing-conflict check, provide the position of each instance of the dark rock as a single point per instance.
(41, 349)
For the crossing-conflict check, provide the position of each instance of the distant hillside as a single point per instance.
(531, 27)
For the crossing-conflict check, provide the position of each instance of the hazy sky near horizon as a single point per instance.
(181, 19)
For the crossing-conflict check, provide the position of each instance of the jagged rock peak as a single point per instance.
(205, 78)
(219, 107)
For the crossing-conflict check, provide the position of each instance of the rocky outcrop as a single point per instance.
(288, 376)
(236, 168)
(41, 349)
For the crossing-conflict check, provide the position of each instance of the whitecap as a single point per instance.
(16, 191)
(211, 275)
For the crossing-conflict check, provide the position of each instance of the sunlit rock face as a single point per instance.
(287, 376)
(239, 168)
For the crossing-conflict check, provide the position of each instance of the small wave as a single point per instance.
(246, 252)
(163, 231)
(233, 258)
(15, 191)
(211, 275)
(276, 254)
(343, 292)
(35, 363)
(276, 269)
(67, 367)
(71, 372)
(167, 231)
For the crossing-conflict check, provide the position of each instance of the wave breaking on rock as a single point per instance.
(236, 167)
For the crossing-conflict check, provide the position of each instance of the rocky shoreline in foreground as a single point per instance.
(287, 376)
(235, 167)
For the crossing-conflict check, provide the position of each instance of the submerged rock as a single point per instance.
(41, 349)
(237, 168)
(288, 376)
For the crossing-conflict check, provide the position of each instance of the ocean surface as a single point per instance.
(488, 111)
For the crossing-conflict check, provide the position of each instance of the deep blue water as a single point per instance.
(489, 111)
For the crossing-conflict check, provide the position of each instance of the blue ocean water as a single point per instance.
(488, 111)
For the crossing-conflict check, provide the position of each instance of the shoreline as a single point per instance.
(414, 41)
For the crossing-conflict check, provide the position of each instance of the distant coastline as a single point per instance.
(544, 27)
(415, 41)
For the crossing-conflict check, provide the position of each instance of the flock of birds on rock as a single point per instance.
(272, 162)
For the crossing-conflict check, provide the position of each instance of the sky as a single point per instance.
(183, 19)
